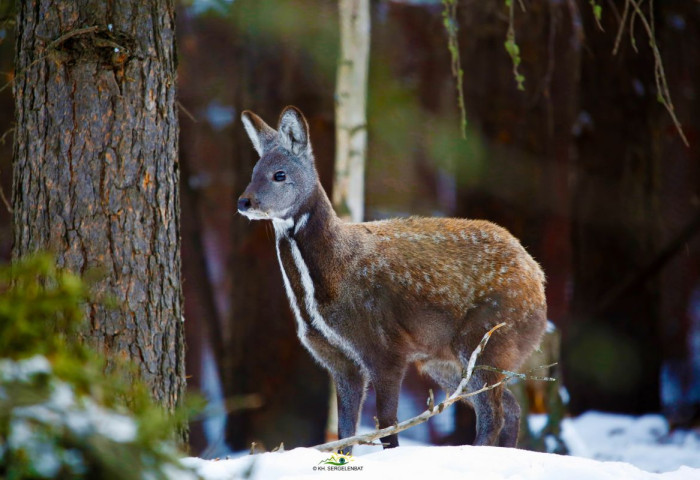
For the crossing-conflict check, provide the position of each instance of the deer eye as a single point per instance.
(279, 176)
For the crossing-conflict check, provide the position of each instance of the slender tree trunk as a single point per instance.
(351, 110)
(96, 171)
(350, 131)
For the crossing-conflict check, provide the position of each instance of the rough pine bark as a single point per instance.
(96, 169)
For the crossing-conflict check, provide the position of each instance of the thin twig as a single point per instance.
(621, 30)
(522, 376)
(633, 19)
(5, 201)
(185, 111)
(4, 135)
(52, 46)
(11, 80)
(2, 190)
(664, 94)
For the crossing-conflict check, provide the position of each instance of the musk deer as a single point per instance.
(371, 298)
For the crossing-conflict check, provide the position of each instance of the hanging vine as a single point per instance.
(512, 47)
(449, 18)
(631, 13)
(628, 20)
(597, 12)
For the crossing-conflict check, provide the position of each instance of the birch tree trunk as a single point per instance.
(350, 130)
(350, 109)
(95, 176)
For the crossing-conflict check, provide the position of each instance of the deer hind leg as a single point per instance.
(491, 407)
(488, 406)
(497, 411)
(511, 427)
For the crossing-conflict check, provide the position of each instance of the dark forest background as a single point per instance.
(585, 167)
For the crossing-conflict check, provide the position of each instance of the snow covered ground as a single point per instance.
(642, 441)
(603, 446)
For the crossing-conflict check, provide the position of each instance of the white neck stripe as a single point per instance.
(282, 226)
(312, 307)
(301, 223)
(301, 326)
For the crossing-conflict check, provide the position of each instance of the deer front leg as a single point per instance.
(350, 382)
(387, 384)
(350, 390)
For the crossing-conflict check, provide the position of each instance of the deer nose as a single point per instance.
(243, 204)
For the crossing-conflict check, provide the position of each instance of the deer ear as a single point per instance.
(260, 133)
(294, 131)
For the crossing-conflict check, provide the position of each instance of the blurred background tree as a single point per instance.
(585, 166)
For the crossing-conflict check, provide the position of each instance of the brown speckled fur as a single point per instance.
(388, 293)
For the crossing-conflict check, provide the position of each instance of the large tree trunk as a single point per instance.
(96, 171)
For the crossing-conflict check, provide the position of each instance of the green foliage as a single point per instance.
(514, 51)
(512, 47)
(62, 415)
(597, 12)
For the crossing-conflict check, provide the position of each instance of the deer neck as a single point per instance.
(310, 248)
(315, 224)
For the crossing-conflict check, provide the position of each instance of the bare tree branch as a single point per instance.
(369, 438)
